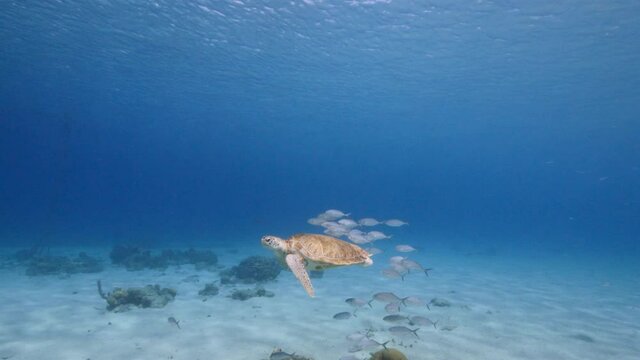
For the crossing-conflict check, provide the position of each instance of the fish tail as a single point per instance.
(426, 271)
(402, 301)
(402, 277)
(415, 332)
(435, 323)
(428, 307)
(369, 303)
(384, 344)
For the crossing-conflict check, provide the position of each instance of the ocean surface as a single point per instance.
(152, 142)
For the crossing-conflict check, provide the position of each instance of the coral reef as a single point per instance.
(62, 265)
(388, 354)
(246, 294)
(25, 255)
(210, 289)
(150, 296)
(252, 270)
(134, 258)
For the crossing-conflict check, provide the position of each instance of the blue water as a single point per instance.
(170, 121)
(504, 125)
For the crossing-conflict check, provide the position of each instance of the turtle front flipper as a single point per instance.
(296, 264)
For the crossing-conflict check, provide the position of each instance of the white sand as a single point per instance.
(502, 308)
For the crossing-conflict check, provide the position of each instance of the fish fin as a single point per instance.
(402, 277)
(296, 264)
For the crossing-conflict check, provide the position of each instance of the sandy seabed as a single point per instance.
(501, 307)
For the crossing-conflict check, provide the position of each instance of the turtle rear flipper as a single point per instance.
(296, 264)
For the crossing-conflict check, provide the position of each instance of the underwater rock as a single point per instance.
(254, 269)
(28, 254)
(201, 257)
(210, 289)
(84, 263)
(246, 294)
(134, 258)
(62, 265)
(120, 253)
(388, 354)
(150, 296)
(440, 302)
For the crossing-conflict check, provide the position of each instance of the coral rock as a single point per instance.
(388, 354)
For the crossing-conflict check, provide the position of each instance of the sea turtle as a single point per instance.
(315, 252)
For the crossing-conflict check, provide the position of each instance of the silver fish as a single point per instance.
(403, 330)
(414, 301)
(333, 214)
(376, 235)
(405, 248)
(316, 221)
(412, 265)
(399, 268)
(173, 321)
(356, 232)
(392, 274)
(392, 308)
(342, 316)
(395, 318)
(348, 223)
(387, 297)
(395, 223)
(335, 232)
(421, 320)
(358, 239)
(357, 303)
(368, 222)
(281, 355)
(370, 343)
(331, 225)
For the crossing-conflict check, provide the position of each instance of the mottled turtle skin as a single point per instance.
(315, 252)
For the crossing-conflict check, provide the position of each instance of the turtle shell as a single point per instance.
(327, 250)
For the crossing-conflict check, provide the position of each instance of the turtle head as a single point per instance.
(274, 243)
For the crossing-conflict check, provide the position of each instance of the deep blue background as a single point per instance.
(214, 121)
